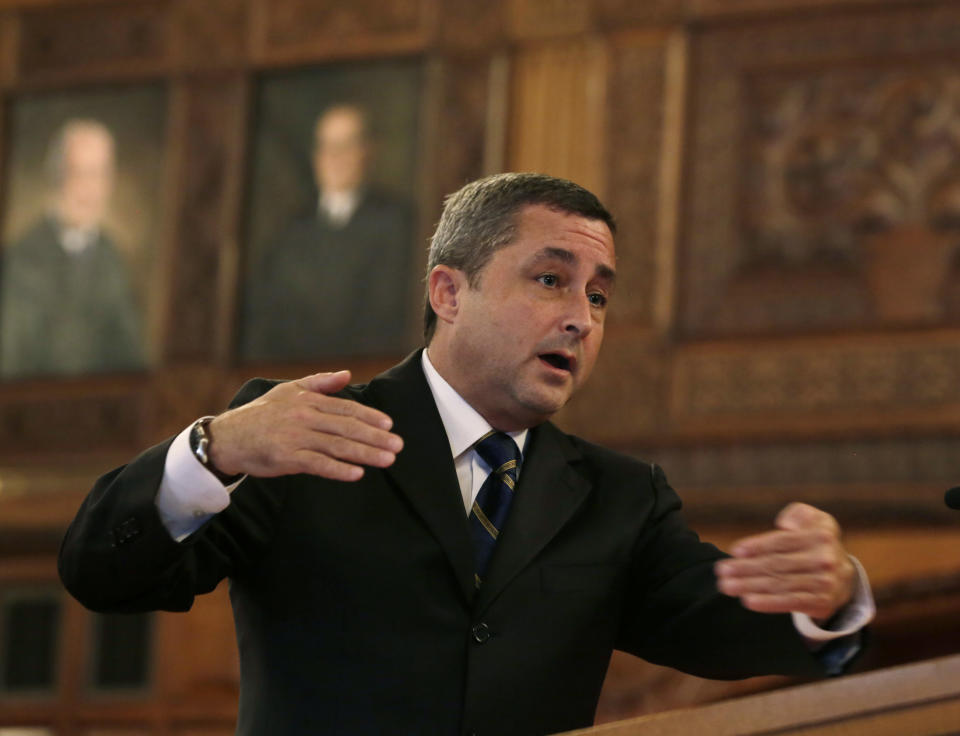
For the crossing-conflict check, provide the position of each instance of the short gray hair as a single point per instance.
(480, 219)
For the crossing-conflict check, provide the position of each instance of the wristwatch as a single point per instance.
(200, 440)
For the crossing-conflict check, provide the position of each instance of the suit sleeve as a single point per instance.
(118, 556)
(675, 616)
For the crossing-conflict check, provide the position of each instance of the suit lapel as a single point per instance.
(424, 469)
(548, 494)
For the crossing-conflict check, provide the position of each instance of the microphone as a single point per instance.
(952, 498)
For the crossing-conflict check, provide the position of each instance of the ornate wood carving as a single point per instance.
(825, 173)
(71, 421)
(8, 48)
(616, 14)
(540, 18)
(214, 110)
(319, 27)
(899, 480)
(467, 24)
(96, 38)
(624, 398)
(635, 145)
(461, 133)
(787, 383)
(209, 34)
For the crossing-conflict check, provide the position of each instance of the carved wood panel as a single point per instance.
(212, 115)
(558, 114)
(73, 419)
(624, 398)
(460, 117)
(824, 165)
(541, 18)
(467, 24)
(295, 29)
(635, 134)
(210, 34)
(127, 38)
(8, 48)
(786, 385)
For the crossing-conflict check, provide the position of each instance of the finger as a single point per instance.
(316, 463)
(797, 516)
(814, 605)
(353, 429)
(341, 448)
(347, 408)
(781, 564)
(778, 584)
(324, 383)
(780, 542)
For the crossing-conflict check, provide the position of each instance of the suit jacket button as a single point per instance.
(481, 633)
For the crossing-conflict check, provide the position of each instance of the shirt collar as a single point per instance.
(462, 423)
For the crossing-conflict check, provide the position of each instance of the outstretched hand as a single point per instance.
(296, 427)
(801, 567)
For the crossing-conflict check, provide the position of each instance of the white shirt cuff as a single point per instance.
(189, 493)
(851, 618)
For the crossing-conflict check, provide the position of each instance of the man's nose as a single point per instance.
(578, 319)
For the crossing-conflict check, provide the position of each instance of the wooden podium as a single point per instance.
(921, 699)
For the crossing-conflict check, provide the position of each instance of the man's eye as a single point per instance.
(548, 279)
(598, 300)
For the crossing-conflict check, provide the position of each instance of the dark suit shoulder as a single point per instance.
(610, 463)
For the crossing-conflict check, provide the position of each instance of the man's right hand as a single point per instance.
(297, 428)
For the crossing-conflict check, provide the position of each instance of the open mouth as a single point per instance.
(558, 361)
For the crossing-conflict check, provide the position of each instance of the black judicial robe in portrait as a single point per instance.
(63, 313)
(355, 605)
(322, 290)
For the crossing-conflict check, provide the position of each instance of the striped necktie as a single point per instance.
(489, 511)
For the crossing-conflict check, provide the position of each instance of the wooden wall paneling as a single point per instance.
(620, 14)
(210, 35)
(114, 40)
(716, 8)
(532, 19)
(71, 418)
(558, 114)
(307, 31)
(8, 48)
(644, 130)
(455, 118)
(469, 26)
(815, 386)
(197, 663)
(624, 398)
(209, 116)
(793, 221)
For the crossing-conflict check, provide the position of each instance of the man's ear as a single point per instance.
(444, 286)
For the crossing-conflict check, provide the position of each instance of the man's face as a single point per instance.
(341, 152)
(528, 336)
(88, 171)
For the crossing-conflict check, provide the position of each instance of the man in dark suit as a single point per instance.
(391, 573)
(335, 282)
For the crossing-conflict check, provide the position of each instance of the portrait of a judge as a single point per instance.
(332, 281)
(66, 302)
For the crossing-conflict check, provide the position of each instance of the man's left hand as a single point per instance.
(801, 567)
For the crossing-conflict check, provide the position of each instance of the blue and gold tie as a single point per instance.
(489, 511)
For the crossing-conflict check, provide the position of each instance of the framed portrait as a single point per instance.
(331, 218)
(83, 186)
